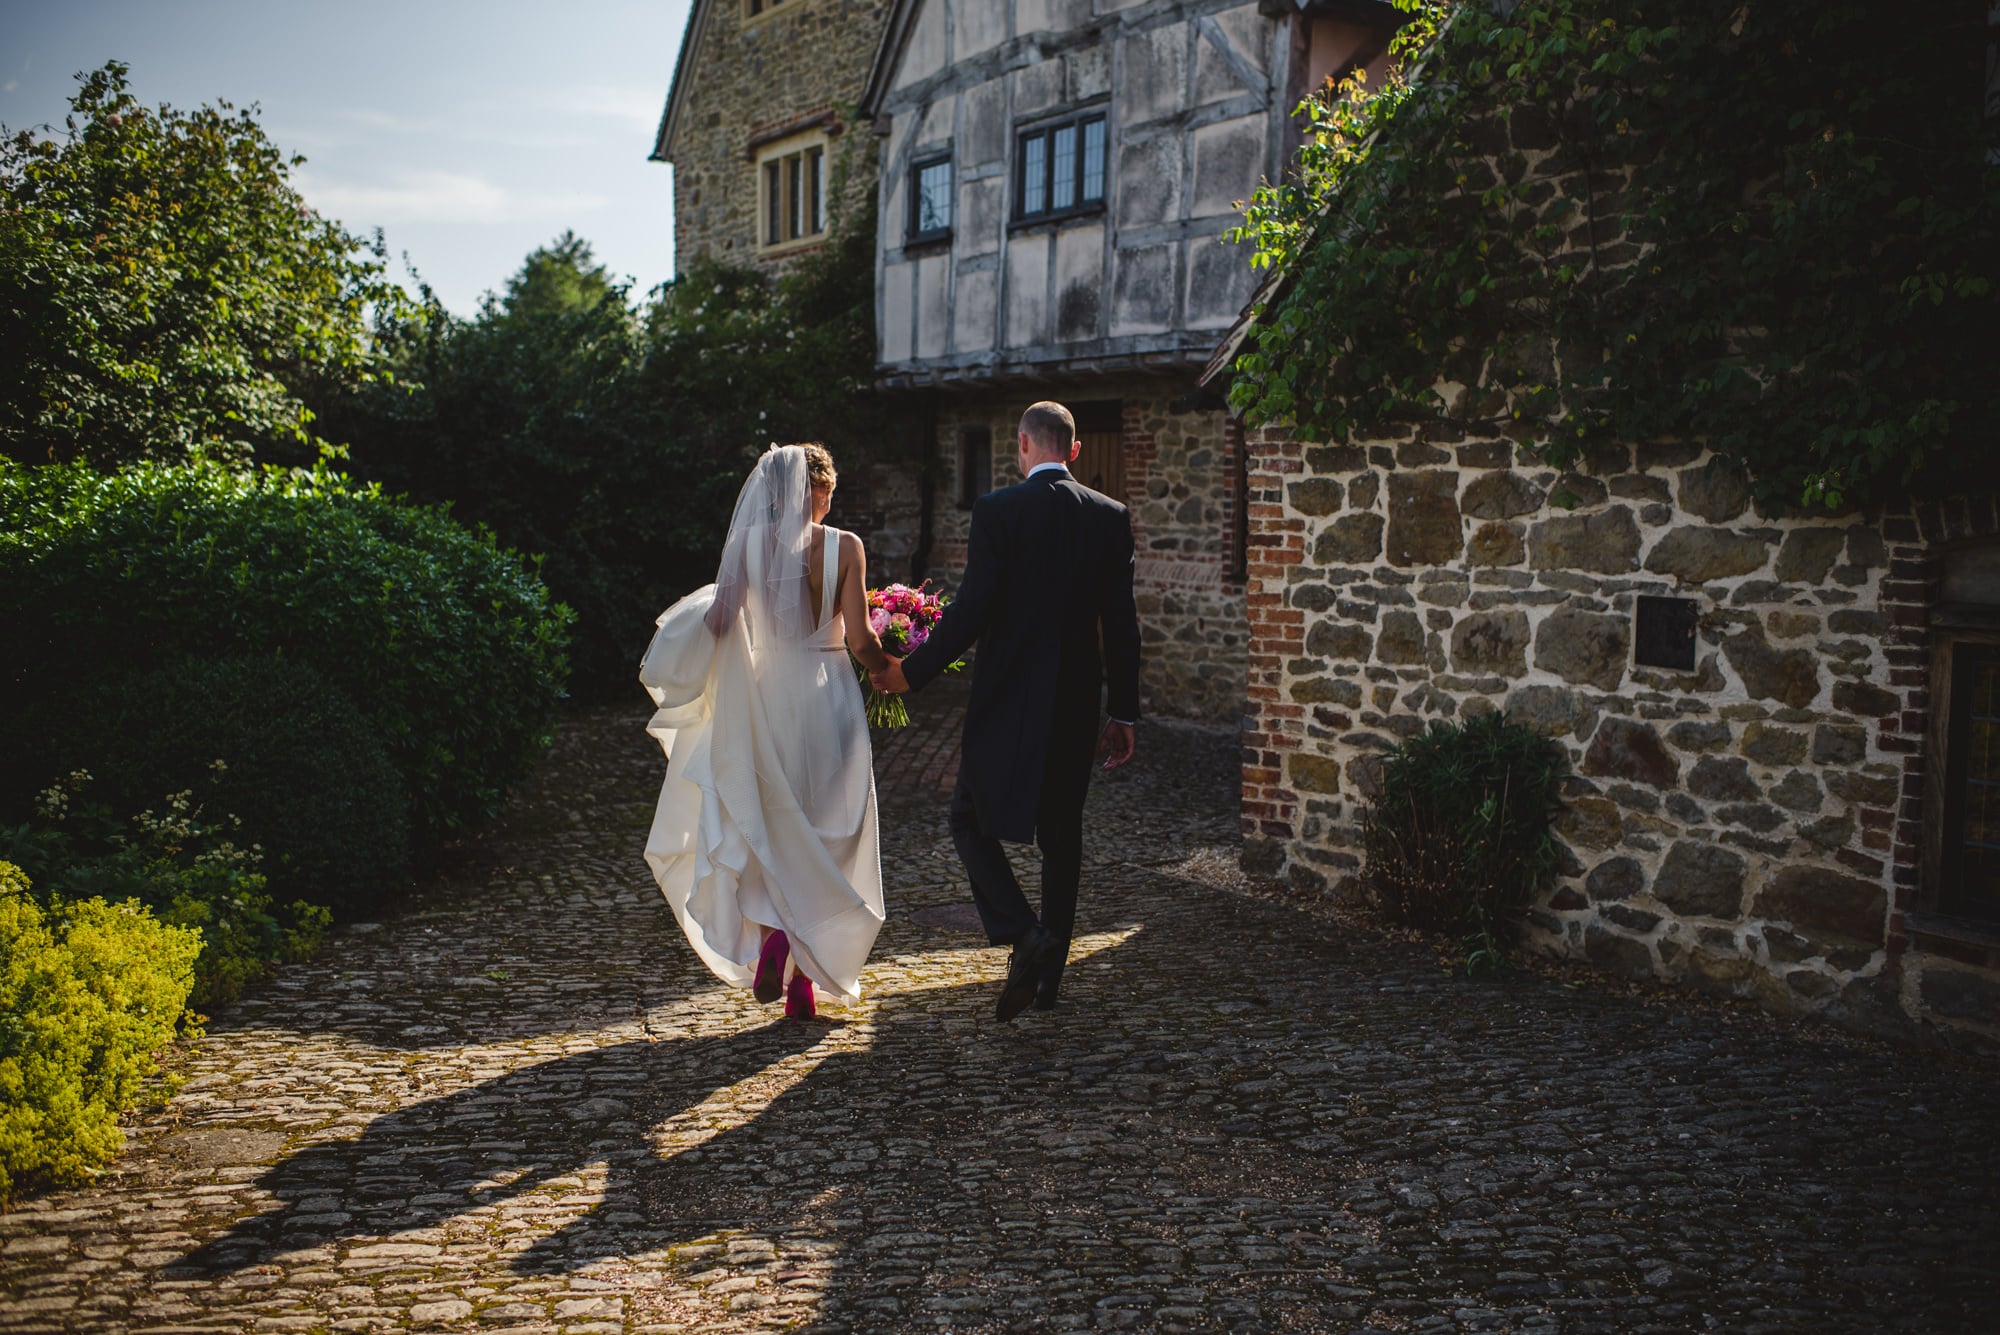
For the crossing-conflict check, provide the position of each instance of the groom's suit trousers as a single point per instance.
(1065, 782)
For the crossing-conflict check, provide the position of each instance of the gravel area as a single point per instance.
(521, 1104)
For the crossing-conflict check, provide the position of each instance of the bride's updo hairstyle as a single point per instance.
(819, 465)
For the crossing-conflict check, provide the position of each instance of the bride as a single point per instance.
(764, 842)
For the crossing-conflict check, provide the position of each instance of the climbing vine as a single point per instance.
(1769, 226)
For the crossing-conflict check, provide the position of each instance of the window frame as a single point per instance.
(1079, 123)
(799, 207)
(912, 234)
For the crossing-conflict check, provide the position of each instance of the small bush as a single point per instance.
(177, 861)
(449, 645)
(89, 992)
(273, 743)
(1461, 831)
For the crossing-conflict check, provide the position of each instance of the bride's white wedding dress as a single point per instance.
(767, 815)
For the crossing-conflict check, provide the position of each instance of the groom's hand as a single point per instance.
(1117, 743)
(890, 680)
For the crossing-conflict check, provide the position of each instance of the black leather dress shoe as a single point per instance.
(1047, 986)
(1035, 948)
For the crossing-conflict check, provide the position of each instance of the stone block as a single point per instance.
(1327, 691)
(1667, 454)
(1627, 749)
(1552, 711)
(1316, 496)
(1716, 491)
(1401, 638)
(1640, 487)
(1424, 523)
(1336, 458)
(1496, 544)
(1590, 822)
(1568, 899)
(1789, 676)
(1339, 642)
(1720, 779)
(1502, 496)
(1769, 744)
(1631, 919)
(1615, 952)
(1313, 774)
(1698, 555)
(1261, 857)
(1353, 539)
(1716, 971)
(1825, 905)
(1960, 994)
(1699, 735)
(1761, 817)
(1807, 554)
(1854, 621)
(1789, 625)
(1799, 791)
(1486, 454)
(1586, 648)
(1606, 543)
(1700, 879)
(1868, 790)
(1834, 744)
(1864, 700)
(1491, 642)
(1614, 879)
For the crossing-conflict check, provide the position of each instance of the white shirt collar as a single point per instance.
(1043, 468)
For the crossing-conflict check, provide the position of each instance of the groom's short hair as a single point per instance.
(1050, 426)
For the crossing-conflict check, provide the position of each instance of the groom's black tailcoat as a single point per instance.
(1047, 596)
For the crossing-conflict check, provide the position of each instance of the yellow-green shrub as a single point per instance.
(89, 992)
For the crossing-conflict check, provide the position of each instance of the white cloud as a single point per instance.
(631, 104)
(438, 197)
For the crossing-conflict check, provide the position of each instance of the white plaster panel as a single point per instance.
(923, 56)
(1249, 32)
(1228, 159)
(938, 118)
(1048, 15)
(898, 280)
(1037, 87)
(1028, 289)
(977, 25)
(975, 311)
(1154, 76)
(982, 124)
(1214, 77)
(1142, 300)
(1220, 282)
(1079, 312)
(933, 289)
(1149, 182)
(1089, 71)
(980, 222)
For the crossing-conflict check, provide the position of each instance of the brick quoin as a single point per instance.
(1271, 728)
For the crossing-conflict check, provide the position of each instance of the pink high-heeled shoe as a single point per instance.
(799, 1000)
(769, 983)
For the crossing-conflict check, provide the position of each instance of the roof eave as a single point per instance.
(683, 76)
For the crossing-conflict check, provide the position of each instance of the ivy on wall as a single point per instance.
(1767, 225)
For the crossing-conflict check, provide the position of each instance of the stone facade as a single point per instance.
(1188, 583)
(1754, 823)
(747, 83)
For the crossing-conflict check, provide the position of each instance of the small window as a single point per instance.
(930, 200)
(975, 464)
(754, 8)
(1664, 634)
(1060, 169)
(792, 181)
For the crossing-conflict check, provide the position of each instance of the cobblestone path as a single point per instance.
(521, 1105)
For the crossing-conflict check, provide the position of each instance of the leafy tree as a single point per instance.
(1768, 226)
(164, 291)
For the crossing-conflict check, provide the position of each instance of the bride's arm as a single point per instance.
(862, 641)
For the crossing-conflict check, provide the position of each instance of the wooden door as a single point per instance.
(1100, 464)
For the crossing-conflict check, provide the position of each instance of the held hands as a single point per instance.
(1117, 743)
(890, 680)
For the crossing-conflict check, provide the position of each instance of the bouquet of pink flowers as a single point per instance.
(902, 618)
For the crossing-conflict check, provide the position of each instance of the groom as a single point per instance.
(1048, 579)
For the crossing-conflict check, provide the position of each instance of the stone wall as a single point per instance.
(1751, 825)
(1178, 464)
(750, 77)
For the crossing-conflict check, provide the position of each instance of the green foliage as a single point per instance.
(614, 439)
(89, 992)
(1460, 833)
(184, 865)
(448, 644)
(1582, 222)
(275, 744)
(165, 292)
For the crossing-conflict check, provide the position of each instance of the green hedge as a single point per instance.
(273, 743)
(450, 645)
(89, 992)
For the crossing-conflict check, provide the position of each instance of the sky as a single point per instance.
(469, 131)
